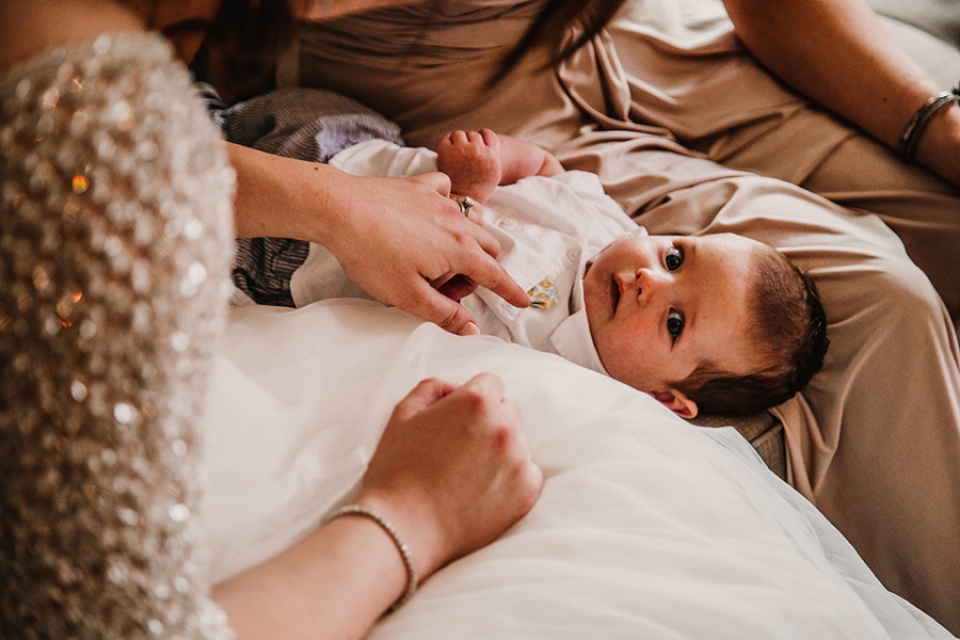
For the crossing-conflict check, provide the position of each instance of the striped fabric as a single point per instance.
(306, 124)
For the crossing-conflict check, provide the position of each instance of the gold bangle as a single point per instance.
(365, 512)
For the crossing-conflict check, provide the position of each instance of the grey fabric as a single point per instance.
(939, 58)
(938, 17)
(307, 124)
(304, 124)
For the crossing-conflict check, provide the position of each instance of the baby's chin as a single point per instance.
(611, 366)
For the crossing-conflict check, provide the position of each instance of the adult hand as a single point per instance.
(404, 236)
(393, 236)
(452, 471)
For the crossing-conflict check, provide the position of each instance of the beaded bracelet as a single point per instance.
(365, 512)
(918, 123)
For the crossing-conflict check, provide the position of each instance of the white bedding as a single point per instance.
(647, 526)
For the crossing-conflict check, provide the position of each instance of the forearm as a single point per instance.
(520, 159)
(283, 198)
(837, 53)
(333, 584)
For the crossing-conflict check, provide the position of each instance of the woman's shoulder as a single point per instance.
(87, 58)
(111, 85)
(32, 26)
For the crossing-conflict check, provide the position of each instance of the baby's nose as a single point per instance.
(651, 282)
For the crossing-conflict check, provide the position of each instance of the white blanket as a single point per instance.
(647, 526)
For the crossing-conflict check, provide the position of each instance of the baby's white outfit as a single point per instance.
(548, 229)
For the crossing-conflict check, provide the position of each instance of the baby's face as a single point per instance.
(658, 306)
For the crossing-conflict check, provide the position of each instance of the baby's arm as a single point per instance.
(520, 159)
(478, 161)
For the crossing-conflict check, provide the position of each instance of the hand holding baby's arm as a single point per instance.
(451, 473)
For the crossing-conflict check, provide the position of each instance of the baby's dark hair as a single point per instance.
(789, 331)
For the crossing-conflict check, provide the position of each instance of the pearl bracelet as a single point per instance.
(365, 512)
(907, 148)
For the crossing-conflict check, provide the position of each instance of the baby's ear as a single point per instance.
(677, 402)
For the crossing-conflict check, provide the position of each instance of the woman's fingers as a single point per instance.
(454, 286)
(452, 470)
(491, 275)
(487, 384)
(439, 182)
(402, 234)
(474, 211)
(431, 304)
(475, 215)
(425, 394)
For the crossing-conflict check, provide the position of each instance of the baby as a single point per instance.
(719, 323)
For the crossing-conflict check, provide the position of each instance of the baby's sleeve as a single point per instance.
(385, 159)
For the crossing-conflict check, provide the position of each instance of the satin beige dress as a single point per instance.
(691, 136)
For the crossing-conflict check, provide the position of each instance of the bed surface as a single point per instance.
(647, 526)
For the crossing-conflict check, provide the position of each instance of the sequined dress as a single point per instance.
(115, 245)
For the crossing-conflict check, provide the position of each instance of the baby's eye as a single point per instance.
(675, 323)
(674, 258)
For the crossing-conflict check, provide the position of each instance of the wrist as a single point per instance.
(342, 578)
(360, 511)
(939, 145)
(286, 198)
(328, 200)
(416, 525)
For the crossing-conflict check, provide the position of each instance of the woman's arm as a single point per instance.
(393, 236)
(30, 26)
(451, 473)
(838, 53)
(333, 584)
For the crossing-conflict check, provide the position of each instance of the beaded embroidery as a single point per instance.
(114, 256)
